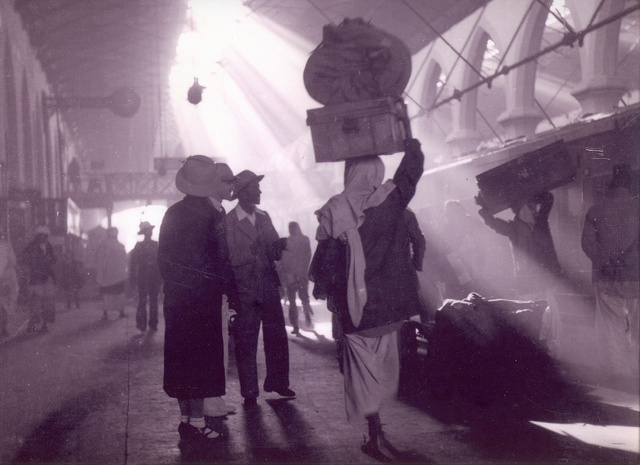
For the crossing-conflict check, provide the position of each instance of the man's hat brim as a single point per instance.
(242, 183)
(198, 190)
(245, 182)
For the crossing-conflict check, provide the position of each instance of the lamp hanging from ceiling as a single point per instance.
(195, 92)
(194, 95)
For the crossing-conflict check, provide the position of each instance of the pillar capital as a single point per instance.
(600, 94)
(519, 122)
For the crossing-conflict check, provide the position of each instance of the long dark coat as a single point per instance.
(39, 262)
(194, 263)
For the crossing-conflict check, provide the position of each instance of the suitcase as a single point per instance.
(511, 184)
(355, 129)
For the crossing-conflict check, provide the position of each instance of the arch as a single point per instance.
(436, 124)
(600, 89)
(521, 115)
(431, 89)
(465, 136)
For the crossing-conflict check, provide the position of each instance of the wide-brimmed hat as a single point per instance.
(197, 176)
(244, 178)
(145, 226)
(224, 173)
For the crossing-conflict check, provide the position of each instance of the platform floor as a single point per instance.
(90, 392)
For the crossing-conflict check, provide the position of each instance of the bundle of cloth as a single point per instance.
(356, 61)
(483, 349)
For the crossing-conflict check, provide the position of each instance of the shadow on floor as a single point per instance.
(140, 346)
(497, 386)
(321, 345)
(48, 442)
(260, 444)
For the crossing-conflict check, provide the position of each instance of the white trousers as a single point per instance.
(617, 326)
(371, 373)
(216, 406)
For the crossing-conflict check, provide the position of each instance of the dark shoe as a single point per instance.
(371, 449)
(187, 431)
(250, 401)
(284, 392)
(375, 445)
(295, 331)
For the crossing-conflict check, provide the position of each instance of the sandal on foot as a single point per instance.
(371, 449)
(208, 433)
(190, 433)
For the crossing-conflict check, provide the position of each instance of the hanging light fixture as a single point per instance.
(195, 92)
(194, 95)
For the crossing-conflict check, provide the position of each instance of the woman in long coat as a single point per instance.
(194, 263)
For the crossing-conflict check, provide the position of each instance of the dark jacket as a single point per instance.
(390, 277)
(610, 238)
(253, 252)
(418, 243)
(143, 268)
(39, 261)
(194, 263)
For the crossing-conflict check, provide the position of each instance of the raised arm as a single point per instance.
(409, 171)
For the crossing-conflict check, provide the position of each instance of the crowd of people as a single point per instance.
(370, 250)
(226, 276)
(41, 274)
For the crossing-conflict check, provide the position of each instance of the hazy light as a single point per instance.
(625, 438)
(616, 397)
(560, 9)
(128, 221)
(253, 109)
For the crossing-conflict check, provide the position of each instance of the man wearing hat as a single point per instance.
(144, 275)
(254, 246)
(610, 240)
(194, 264)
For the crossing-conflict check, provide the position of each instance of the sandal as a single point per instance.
(208, 433)
(190, 432)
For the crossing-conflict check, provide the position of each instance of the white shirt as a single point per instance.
(251, 216)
